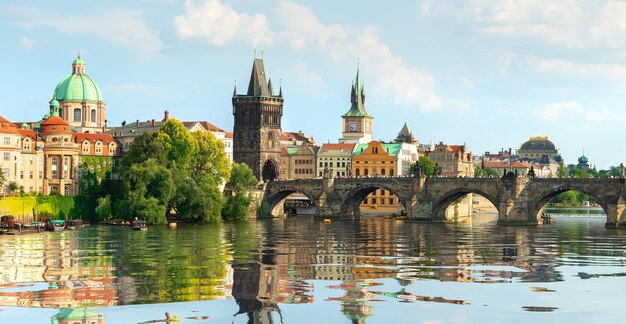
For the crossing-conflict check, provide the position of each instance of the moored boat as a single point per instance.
(139, 225)
(55, 225)
(75, 223)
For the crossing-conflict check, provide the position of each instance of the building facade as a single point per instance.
(257, 127)
(336, 158)
(541, 152)
(453, 160)
(298, 162)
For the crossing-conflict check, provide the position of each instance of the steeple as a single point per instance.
(405, 135)
(357, 98)
(235, 90)
(258, 84)
(280, 92)
(270, 88)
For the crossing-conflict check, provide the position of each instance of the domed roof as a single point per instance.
(78, 86)
(54, 124)
(583, 160)
(538, 144)
(7, 127)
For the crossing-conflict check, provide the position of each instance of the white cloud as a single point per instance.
(566, 67)
(29, 43)
(570, 23)
(407, 85)
(303, 28)
(300, 75)
(567, 111)
(122, 27)
(220, 24)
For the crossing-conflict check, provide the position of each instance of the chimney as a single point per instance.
(167, 116)
(137, 122)
(152, 122)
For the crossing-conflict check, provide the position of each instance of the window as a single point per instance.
(77, 114)
(382, 171)
(86, 147)
(99, 148)
(54, 161)
(54, 173)
(27, 144)
(7, 156)
(390, 201)
(321, 165)
(382, 192)
(373, 201)
(7, 140)
(365, 201)
(391, 172)
(40, 174)
(31, 176)
(365, 172)
(22, 174)
(93, 116)
(357, 172)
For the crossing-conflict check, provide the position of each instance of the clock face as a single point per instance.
(353, 127)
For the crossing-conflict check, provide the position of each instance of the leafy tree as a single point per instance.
(178, 145)
(144, 147)
(577, 172)
(104, 209)
(149, 188)
(561, 171)
(241, 183)
(486, 172)
(427, 165)
(13, 186)
(210, 158)
(197, 200)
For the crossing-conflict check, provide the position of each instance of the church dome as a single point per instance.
(78, 86)
(583, 160)
(539, 143)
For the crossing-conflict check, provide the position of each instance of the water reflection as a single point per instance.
(265, 265)
(77, 316)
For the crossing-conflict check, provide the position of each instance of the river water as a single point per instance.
(301, 270)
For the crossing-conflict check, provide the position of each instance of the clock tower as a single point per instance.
(357, 123)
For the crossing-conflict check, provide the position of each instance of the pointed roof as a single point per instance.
(258, 84)
(270, 88)
(405, 135)
(357, 98)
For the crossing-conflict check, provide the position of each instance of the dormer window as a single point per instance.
(99, 148)
(86, 147)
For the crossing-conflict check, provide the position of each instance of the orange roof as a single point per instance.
(27, 133)
(229, 134)
(92, 138)
(346, 147)
(54, 124)
(6, 126)
(499, 165)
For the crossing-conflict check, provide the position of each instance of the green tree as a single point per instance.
(104, 209)
(178, 145)
(577, 172)
(197, 200)
(561, 171)
(145, 146)
(13, 186)
(427, 165)
(242, 181)
(486, 172)
(149, 188)
(210, 158)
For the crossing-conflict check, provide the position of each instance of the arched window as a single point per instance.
(391, 173)
(365, 171)
(77, 114)
(93, 116)
(382, 171)
(357, 172)
(61, 113)
(86, 147)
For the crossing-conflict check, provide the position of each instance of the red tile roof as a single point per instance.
(27, 133)
(299, 136)
(229, 134)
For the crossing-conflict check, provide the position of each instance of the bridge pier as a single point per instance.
(616, 215)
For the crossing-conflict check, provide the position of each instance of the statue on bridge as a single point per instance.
(531, 172)
(621, 166)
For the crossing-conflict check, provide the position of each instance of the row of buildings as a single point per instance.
(73, 139)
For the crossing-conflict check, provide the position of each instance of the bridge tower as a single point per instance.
(257, 127)
(357, 122)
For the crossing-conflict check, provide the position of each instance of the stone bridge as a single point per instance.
(519, 201)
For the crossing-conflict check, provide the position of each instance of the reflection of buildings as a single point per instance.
(77, 316)
(53, 259)
(354, 301)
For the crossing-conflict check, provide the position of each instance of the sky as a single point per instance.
(489, 74)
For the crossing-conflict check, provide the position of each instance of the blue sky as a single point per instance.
(485, 73)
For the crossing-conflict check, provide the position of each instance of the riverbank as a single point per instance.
(49, 206)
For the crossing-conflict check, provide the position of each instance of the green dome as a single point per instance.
(54, 102)
(78, 86)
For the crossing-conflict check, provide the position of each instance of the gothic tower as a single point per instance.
(257, 130)
(357, 123)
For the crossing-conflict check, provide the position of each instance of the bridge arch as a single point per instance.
(441, 205)
(350, 206)
(543, 198)
(272, 201)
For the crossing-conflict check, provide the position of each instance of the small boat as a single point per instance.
(117, 222)
(139, 225)
(75, 223)
(55, 225)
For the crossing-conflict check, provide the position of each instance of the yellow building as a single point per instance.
(377, 160)
(298, 162)
(454, 161)
(10, 152)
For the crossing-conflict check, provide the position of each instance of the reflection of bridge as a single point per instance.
(519, 201)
